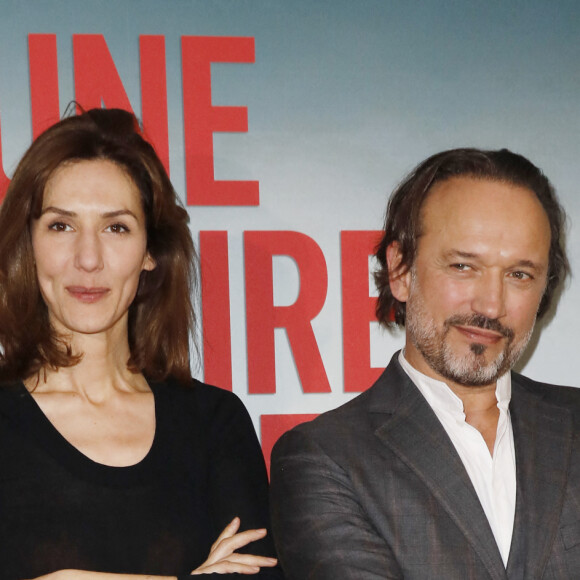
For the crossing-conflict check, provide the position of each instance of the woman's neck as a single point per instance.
(102, 371)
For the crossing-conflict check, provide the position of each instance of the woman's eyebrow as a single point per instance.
(119, 212)
(58, 210)
(67, 213)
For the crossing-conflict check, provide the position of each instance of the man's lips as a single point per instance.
(88, 295)
(481, 335)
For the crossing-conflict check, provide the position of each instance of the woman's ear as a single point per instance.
(149, 263)
(399, 274)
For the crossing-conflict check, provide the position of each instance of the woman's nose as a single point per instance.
(88, 255)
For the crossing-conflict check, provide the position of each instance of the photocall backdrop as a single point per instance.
(285, 124)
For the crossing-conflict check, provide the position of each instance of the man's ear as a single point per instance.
(399, 275)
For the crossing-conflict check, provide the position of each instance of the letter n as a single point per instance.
(97, 83)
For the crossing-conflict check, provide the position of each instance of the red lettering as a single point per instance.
(44, 103)
(154, 94)
(97, 82)
(4, 181)
(201, 120)
(215, 303)
(272, 427)
(262, 317)
(358, 309)
(44, 97)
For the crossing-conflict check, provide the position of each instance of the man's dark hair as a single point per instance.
(403, 216)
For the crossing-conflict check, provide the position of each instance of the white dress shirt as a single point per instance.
(493, 477)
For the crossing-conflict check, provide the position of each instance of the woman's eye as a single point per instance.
(59, 227)
(117, 229)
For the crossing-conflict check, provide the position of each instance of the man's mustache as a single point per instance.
(480, 321)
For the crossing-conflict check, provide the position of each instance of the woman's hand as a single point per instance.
(86, 575)
(223, 558)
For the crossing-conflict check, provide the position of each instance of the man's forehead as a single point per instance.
(484, 216)
(468, 193)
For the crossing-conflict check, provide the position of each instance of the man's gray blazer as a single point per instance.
(375, 489)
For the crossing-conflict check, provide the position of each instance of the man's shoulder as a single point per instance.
(339, 437)
(548, 393)
(355, 420)
(339, 420)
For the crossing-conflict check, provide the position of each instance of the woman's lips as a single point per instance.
(480, 335)
(87, 295)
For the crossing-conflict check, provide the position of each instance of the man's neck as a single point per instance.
(479, 402)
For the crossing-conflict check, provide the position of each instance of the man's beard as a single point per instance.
(470, 369)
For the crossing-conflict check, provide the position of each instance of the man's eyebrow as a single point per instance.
(460, 255)
(529, 264)
(67, 213)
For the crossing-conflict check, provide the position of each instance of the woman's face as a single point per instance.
(90, 246)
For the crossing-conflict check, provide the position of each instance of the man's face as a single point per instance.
(479, 274)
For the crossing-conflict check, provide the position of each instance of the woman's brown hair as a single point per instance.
(161, 318)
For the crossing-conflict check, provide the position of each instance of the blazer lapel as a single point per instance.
(543, 435)
(416, 436)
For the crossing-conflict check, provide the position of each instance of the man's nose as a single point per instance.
(489, 297)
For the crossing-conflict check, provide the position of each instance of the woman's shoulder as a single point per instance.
(210, 413)
(205, 400)
(11, 393)
(193, 390)
(9, 388)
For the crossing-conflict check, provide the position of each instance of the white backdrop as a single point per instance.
(341, 100)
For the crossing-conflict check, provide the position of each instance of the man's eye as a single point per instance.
(460, 267)
(521, 275)
(117, 229)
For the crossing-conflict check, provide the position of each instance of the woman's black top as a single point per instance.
(59, 509)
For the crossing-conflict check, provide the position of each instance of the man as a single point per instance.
(449, 467)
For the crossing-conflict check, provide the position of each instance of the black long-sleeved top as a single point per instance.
(59, 509)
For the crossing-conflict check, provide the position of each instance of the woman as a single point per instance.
(115, 462)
